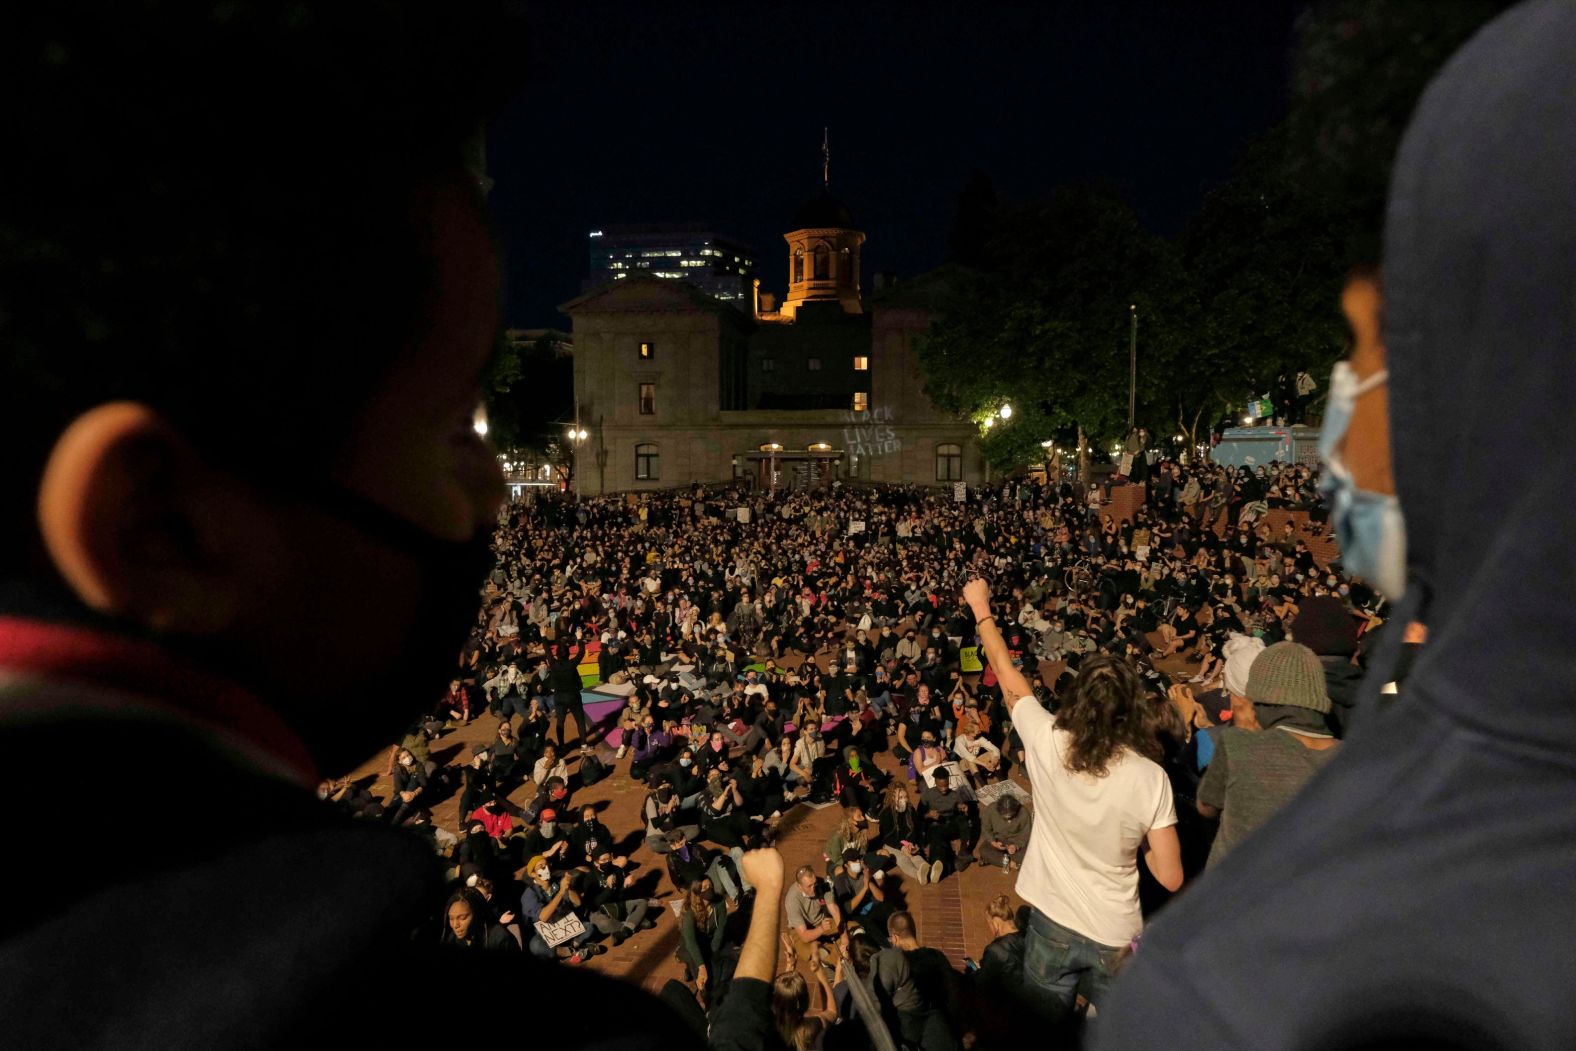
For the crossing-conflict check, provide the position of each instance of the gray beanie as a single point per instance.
(1288, 673)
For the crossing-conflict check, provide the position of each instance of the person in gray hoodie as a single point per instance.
(1418, 892)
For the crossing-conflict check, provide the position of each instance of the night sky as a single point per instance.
(658, 112)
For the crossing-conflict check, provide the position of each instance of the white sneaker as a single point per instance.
(623, 750)
(924, 874)
(935, 872)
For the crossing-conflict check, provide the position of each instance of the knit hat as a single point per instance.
(1288, 673)
(1240, 652)
(1323, 625)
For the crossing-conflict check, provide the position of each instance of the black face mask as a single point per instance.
(452, 574)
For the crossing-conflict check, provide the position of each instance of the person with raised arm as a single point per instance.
(1099, 798)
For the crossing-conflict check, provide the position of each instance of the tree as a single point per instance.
(528, 387)
(1042, 323)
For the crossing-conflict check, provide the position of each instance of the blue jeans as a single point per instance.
(1060, 964)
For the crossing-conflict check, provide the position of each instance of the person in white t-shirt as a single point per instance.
(1097, 802)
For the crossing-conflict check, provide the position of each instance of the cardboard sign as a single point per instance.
(988, 795)
(960, 492)
(560, 931)
(855, 527)
(969, 659)
(954, 775)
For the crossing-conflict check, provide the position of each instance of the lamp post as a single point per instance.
(576, 435)
(1132, 369)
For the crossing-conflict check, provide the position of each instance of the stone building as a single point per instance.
(674, 386)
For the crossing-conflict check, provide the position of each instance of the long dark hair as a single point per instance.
(1105, 712)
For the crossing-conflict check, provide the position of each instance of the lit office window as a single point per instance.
(861, 401)
(648, 399)
(768, 364)
(861, 364)
(647, 351)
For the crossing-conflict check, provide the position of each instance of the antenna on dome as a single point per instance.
(826, 161)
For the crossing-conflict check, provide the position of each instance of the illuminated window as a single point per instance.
(648, 351)
(798, 264)
(861, 364)
(823, 262)
(861, 401)
(768, 364)
(648, 399)
(647, 465)
(949, 463)
(813, 364)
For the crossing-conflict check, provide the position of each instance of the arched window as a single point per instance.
(647, 465)
(845, 267)
(798, 265)
(823, 263)
(949, 463)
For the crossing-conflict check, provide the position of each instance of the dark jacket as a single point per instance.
(563, 671)
(1411, 893)
(159, 947)
(1341, 681)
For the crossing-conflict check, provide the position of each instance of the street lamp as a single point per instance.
(576, 434)
(1005, 412)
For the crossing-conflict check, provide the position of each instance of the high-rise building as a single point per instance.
(719, 265)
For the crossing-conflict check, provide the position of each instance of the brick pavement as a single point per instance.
(950, 915)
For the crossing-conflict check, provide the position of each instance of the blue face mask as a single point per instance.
(1369, 526)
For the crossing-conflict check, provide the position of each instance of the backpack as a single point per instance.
(592, 770)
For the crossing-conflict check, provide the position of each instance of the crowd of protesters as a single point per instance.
(770, 656)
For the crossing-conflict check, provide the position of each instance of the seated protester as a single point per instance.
(650, 746)
(589, 839)
(978, 757)
(456, 703)
(938, 985)
(604, 895)
(505, 920)
(945, 824)
(634, 714)
(496, 816)
(703, 930)
(685, 777)
(812, 766)
(713, 752)
(855, 830)
(1004, 832)
(410, 782)
(860, 891)
(477, 783)
(664, 815)
(479, 854)
(724, 820)
(901, 839)
(778, 765)
(508, 766)
(689, 861)
(546, 899)
(857, 781)
(929, 754)
(811, 912)
(467, 924)
(767, 729)
(532, 731)
(553, 794)
(549, 839)
(352, 796)
(867, 732)
(1255, 773)
(549, 766)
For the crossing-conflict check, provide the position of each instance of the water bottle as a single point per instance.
(1004, 861)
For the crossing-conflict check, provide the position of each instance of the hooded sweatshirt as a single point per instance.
(1423, 880)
